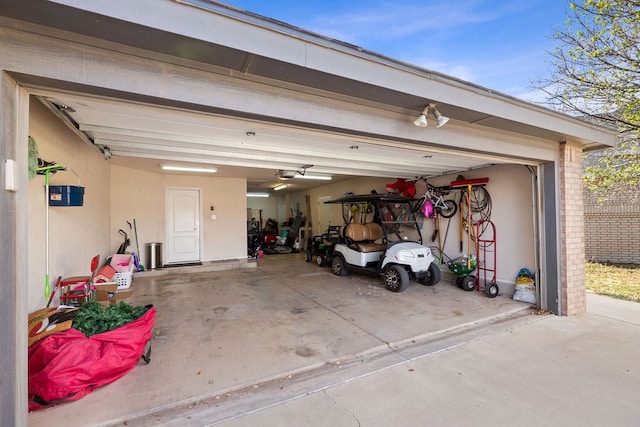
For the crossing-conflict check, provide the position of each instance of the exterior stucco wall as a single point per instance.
(14, 117)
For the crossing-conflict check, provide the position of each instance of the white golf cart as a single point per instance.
(381, 236)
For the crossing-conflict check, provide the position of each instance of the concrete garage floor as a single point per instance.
(231, 342)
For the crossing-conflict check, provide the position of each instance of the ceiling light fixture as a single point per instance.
(188, 168)
(257, 194)
(320, 177)
(421, 121)
(280, 187)
(288, 174)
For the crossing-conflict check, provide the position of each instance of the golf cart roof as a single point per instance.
(369, 198)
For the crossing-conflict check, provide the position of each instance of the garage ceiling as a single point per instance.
(145, 136)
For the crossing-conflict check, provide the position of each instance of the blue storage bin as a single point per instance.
(66, 195)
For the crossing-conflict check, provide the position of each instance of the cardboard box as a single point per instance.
(108, 293)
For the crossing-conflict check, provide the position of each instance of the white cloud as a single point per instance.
(388, 21)
(502, 75)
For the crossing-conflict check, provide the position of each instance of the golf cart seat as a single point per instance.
(362, 237)
(332, 235)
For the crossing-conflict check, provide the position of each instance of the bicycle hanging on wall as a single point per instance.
(433, 202)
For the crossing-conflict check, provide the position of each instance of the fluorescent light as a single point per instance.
(280, 187)
(188, 168)
(309, 176)
(257, 194)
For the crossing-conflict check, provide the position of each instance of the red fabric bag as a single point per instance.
(69, 365)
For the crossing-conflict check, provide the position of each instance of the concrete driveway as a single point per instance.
(552, 371)
(227, 343)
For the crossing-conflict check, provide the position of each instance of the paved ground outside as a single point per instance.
(290, 344)
(578, 371)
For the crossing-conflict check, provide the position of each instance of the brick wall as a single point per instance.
(572, 231)
(612, 232)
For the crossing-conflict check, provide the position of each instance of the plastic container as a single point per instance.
(124, 266)
(122, 263)
(123, 280)
(66, 195)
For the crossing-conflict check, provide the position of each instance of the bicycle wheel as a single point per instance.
(449, 210)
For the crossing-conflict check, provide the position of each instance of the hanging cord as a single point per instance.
(480, 205)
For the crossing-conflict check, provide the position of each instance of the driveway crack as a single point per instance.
(335, 402)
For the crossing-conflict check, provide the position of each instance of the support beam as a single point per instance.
(13, 229)
(574, 298)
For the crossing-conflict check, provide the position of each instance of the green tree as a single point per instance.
(597, 63)
(596, 75)
(613, 174)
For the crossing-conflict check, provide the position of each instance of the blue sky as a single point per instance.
(500, 44)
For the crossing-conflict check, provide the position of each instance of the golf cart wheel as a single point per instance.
(468, 283)
(320, 260)
(433, 275)
(308, 256)
(459, 280)
(338, 266)
(492, 290)
(396, 278)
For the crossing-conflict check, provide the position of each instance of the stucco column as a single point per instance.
(13, 316)
(572, 231)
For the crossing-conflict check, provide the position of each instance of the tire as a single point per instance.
(492, 290)
(339, 266)
(468, 283)
(320, 260)
(459, 280)
(433, 277)
(396, 278)
(308, 256)
(450, 210)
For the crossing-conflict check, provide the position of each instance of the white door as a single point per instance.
(324, 216)
(183, 225)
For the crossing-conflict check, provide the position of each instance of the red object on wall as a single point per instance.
(465, 182)
(402, 187)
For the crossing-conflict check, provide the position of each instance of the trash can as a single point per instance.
(154, 255)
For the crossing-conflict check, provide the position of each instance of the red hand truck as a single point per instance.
(486, 253)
